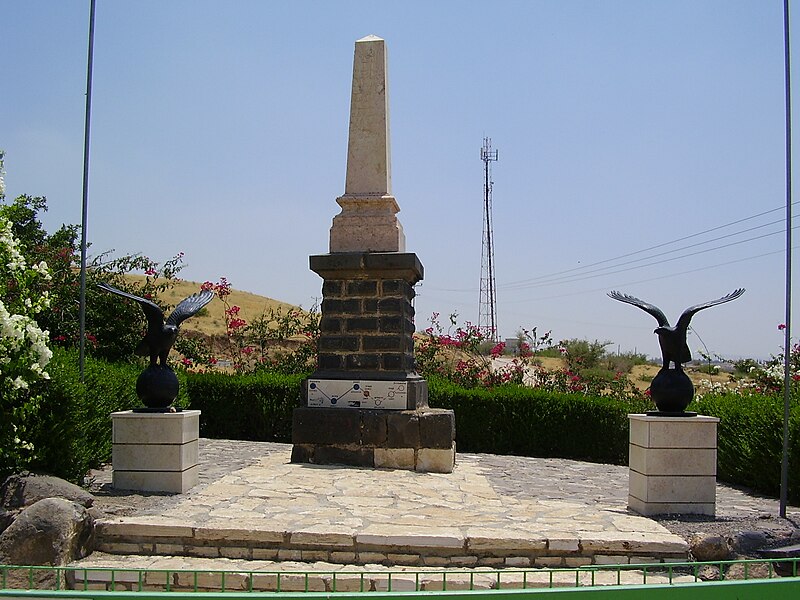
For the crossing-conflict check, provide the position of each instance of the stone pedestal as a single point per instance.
(365, 405)
(155, 452)
(673, 464)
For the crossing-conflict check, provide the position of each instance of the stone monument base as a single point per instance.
(419, 440)
(673, 465)
(155, 452)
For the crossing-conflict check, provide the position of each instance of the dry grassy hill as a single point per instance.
(211, 320)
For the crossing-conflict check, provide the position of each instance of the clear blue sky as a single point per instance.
(220, 129)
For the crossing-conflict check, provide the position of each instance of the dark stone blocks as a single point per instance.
(362, 288)
(403, 430)
(338, 342)
(435, 428)
(361, 362)
(373, 428)
(325, 426)
(383, 342)
(355, 436)
(361, 324)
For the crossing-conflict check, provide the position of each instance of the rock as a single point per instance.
(19, 491)
(751, 571)
(708, 573)
(52, 531)
(745, 542)
(6, 518)
(709, 548)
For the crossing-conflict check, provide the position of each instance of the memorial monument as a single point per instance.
(365, 404)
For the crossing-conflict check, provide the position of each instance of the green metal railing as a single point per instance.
(774, 578)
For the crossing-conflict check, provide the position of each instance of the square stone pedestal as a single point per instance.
(673, 464)
(155, 452)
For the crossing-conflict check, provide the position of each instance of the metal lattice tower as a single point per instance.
(487, 308)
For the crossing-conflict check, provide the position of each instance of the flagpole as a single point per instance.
(787, 348)
(85, 205)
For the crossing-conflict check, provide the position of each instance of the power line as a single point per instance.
(593, 274)
(605, 288)
(716, 239)
(556, 276)
(661, 245)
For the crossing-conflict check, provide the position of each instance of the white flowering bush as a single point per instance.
(24, 351)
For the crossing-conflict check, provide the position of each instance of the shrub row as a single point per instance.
(245, 407)
(750, 441)
(530, 422)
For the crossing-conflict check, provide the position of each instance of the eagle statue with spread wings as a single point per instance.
(161, 335)
(672, 389)
(673, 339)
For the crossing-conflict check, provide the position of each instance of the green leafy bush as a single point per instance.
(750, 440)
(71, 431)
(245, 407)
(532, 422)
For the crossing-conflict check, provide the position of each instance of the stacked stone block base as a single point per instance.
(155, 452)
(420, 440)
(673, 465)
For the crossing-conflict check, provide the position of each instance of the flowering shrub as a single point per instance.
(279, 341)
(24, 351)
(456, 355)
(769, 377)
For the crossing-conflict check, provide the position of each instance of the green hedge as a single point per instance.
(530, 422)
(245, 407)
(750, 441)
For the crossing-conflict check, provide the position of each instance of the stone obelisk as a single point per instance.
(365, 404)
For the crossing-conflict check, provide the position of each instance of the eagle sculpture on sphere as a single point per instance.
(673, 339)
(161, 335)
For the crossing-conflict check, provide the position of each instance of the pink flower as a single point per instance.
(150, 272)
(782, 326)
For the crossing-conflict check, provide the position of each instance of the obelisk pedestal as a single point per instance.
(365, 404)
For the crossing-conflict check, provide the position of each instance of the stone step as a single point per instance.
(388, 545)
(180, 573)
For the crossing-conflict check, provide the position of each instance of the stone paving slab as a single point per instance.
(261, 506)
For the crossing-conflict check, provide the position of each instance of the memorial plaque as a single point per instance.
(343, 393)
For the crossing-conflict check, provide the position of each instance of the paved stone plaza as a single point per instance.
(493, 511)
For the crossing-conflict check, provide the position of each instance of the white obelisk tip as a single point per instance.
(368, 221)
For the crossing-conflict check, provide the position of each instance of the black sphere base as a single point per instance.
(157, 387)
(671, 390)
(167, 409)
(658, 413)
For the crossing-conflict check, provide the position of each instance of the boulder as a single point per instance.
(52, 531)
(19, 491)
(746, 542)
(708, 548)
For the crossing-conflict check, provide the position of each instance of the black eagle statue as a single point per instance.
(673, 339)
(161, 335)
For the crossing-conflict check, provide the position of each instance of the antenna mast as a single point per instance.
(487, 308)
